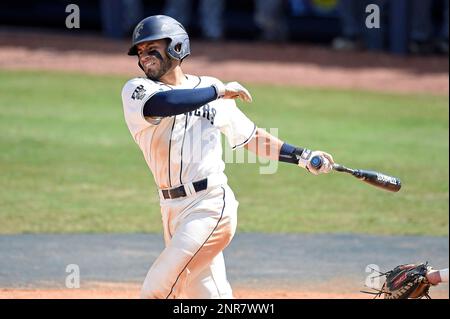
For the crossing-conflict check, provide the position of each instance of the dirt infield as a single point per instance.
(287, 64)
(131, 291)
(128, 292)
(134, 294)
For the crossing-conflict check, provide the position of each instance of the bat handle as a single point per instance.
(341, 168)
(317, 163)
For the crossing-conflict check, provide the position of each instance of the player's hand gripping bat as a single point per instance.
(377, 179)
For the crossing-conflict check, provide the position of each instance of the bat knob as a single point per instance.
(316, 162)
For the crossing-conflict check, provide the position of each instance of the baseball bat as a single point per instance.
(386, 182)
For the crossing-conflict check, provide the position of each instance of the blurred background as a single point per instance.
(406, 26)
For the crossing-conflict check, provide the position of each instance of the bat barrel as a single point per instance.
(377, 179)
(389, 183)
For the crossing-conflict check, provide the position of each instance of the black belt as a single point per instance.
(181, 192)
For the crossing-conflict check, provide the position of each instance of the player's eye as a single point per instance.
(146, 51)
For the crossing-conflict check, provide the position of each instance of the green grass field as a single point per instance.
(69, 164)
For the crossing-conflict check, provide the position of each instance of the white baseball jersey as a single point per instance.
(184, 148)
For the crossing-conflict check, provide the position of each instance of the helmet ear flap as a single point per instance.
(178, 47)
(174, 50)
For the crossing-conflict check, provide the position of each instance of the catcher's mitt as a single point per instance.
(405, 281)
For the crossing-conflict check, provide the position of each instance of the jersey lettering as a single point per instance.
(206, 111)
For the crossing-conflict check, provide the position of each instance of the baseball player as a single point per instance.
(176, 119)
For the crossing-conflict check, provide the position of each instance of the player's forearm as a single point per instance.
(265, 145)
(176, 102)
(268, 146)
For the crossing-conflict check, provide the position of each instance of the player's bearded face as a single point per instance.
(154, 60)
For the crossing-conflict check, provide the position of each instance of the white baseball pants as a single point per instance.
(196, 230)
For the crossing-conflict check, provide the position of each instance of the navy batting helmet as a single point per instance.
(162, 27)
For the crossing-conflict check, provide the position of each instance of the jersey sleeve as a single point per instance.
(234, 124)
(135, 94)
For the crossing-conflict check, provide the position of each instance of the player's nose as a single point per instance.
(144, 57)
